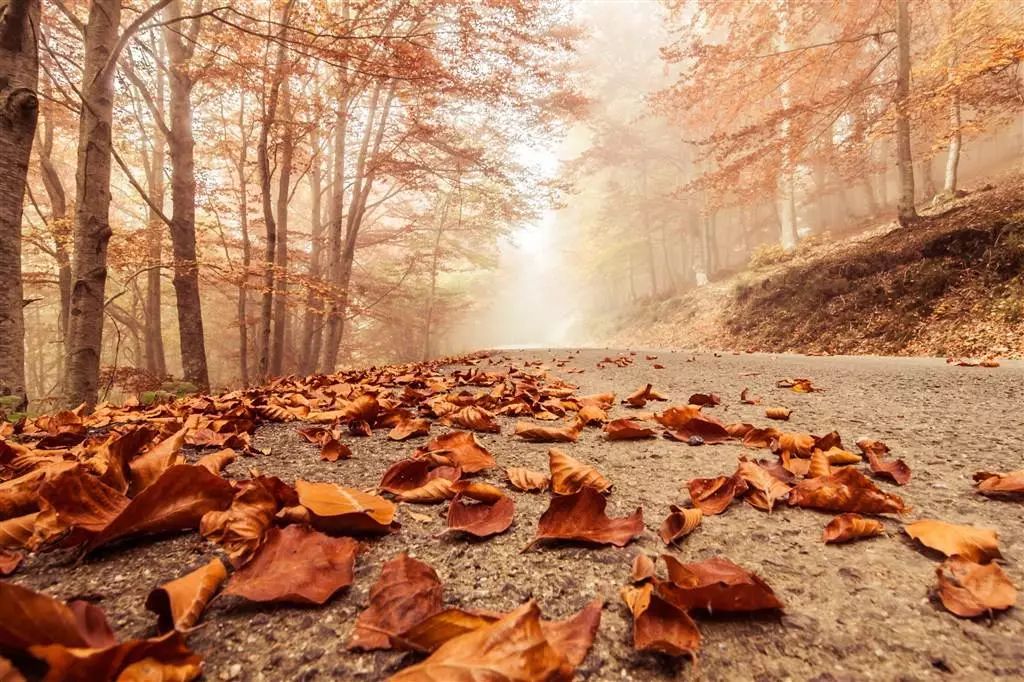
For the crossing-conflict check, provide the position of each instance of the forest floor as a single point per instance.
(951, 285)
(859, 611)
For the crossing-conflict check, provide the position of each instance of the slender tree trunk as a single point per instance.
(904, 160)
(786, 182)
(336, 216)
(59, 226)
(92, 211)
(181, 146)
(434, 260)
(156, 361)
(19, 109)
(284, 179)
(312, 322)
(949, 184)
(263, 161)
(243, 223)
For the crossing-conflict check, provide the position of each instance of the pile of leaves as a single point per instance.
(78, 482)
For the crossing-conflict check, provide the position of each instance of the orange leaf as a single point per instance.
(1000, 484)
(480, 519)
(849, 527)
(819, 465)
(580, 517)
(527, 480)
(762, 481)
(475, 418)
(407, 592)
(462, 448)
(513, 648)
(332, 449)
(980, 545)
(716, 585)
(240, 528)
(643, 568)
(296, 565)
(569, 433)
(9, 562)
(847, 490)
(147, 468)
(969, 589)
(135, 660)
(409, 428)
(714, 495)
(874, 450)
(780, 413)
(216, 461)
(569, 475)
(659, 625)
(679, 523)
(30, 618)
(627, 429)
(591, 414)
(179, 603)
(334, 509)
(705, 399)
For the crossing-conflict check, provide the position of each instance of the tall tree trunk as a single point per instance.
(949, 184)
(156, 360)
(787, 200)
(58, 221)
(270, 223)
(92, 211)
(19, 109)
(243, 223)
(431, 296)
(312, 321)
(336, 216)
(181, 146)
(904, 160)
(284, 179)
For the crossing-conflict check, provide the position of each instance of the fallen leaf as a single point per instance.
(679, 523)
(580, 517)
(715, 585)
(896, 470)
(29, 618)
(478, 490)
(513, 648)
(407, 592)
(659, 625)
(643, 568)
(179, 603)
(969, 589)
(708, 429)
(345, 511)
(846, 490)
(705, 399)
(216, 461)
(569, 433)
(480, 519)
(174, 502)
(527, 480)
(136, 660)
(434, 490)
(295, 565)
(475, 418)
(994, 484)
(463, 449)
(797, 385)
(332, 449)
(748, 399)
(591, 414)
(848, 527)
(639, 397)
(780, 413)
(147, 468)
(819, 465)
(980, 545)
(410, 428)
(407, 475)
(239, 529)
(569, 475)
(627, 429)
(794, 444)
(714, 495)
(9, 562)
(15, 533)
(761, 480)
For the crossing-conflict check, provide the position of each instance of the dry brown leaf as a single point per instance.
(848, 527)
(705, 399)
(580, 517)
(794, 444)
(409, 474)
(240, 528)
(176, 501)
(16, 533)
(1000, 484)
(332, 449)
(480, 519)
(819, 465)
(980, 545)
(969, 589)
(179, 603)
(568, 433)
(295, 565)
(658, 625)
(715, 585)
(29, 618)
(679, 523)
(478, 490)
(761, 480)
(513, 648)
(475, 418)
(846, 490)
(164, 658)
(714, 495)
(527, 480)
(434, 490)
(627, 429)
(147, 468)
(591, 414)
(461, 448)
(345, 511)
(748, 399)
(569, 475)
(216, 461)
(410, 428)
(407, 592)
(643, 568)
(9, 562)
(896, 470)
(839, 457)
(780, 413)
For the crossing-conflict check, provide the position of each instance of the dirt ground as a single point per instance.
(852, 612)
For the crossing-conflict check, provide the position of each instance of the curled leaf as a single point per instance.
(716, 585)
(527, 480)
(462, 449)
(643, 568)
(714, 495)
(849, 527)
(846, 490)
(334, 509)
(980, 545)
(580, 517)
(659, 625)
(895, 470)
(407, 592)
(679, 523)
(780, 413)
(569, 475)
(179, 603)
(1000, 484)
(969, 589)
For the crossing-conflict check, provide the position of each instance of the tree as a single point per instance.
(19, 107)
(905, 206)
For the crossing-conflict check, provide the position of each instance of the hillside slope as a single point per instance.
(951, 285)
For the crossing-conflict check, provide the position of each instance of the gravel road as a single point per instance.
(852, 612)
